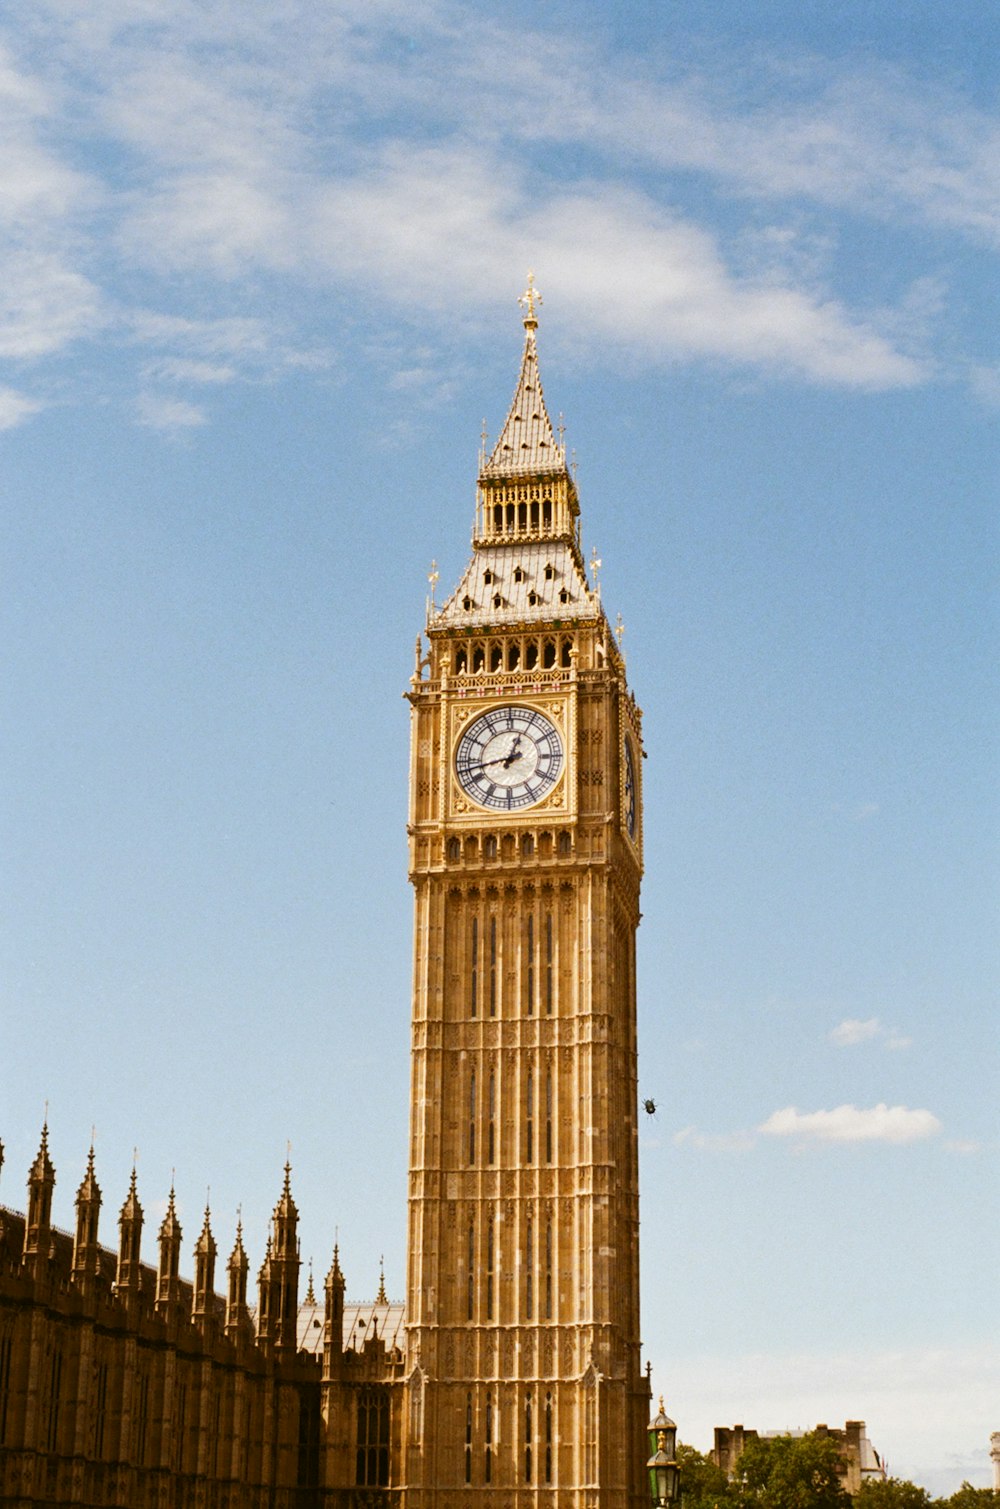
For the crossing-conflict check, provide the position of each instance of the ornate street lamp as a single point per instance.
(664, 1472)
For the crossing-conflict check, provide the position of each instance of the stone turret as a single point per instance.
(168, 1278)
(205, 1252)
(333, 1318)
(86, 1251)
(128, 1281)
(38, 1226)
(284, 1269)
(237, 1270)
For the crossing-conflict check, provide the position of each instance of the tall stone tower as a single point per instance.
(524, 1378)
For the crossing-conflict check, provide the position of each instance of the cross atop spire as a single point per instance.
(529, 298)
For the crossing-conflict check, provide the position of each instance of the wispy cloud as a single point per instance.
(851, 1032)
(16, 407)
(161, 412)
(881, 1123)
(261, 157)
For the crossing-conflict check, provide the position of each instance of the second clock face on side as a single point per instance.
(509, 758)
(629, 792)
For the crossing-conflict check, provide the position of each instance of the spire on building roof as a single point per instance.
(89, 1190)
(381, 1297)
(527, 444)
(41, 1171)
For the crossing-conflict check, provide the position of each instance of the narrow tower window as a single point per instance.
(490, 1256)
(531, 965)
(472, 1116)
(471, 1271)
(491, 1126)
(527, 1438)
(496, 651)
(488, 1473)
(529, 1270)
(548, 1270)
(531, 649)
(474, 970)
(548, 964)
(548, 1438)
(493, 966)
(548, 1116)
(461, 662)
(530, 1119)
(468, 1438)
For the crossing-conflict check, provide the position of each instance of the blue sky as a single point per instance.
(260, 265)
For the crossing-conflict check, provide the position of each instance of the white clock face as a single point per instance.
(509, 758)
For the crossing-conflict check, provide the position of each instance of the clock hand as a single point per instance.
(513, 755)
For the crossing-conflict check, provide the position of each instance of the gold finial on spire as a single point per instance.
(595, 566)
(433, 576)
(529, 298)
(620, 630)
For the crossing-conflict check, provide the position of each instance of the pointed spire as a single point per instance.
(527, 445)
(129, 1277)
(41, 1182)
(381, 1297)
(204, 1271)
(86, 1252)
(237, 1316)
(333, 1323)
(310, 1298)
(168, 1274)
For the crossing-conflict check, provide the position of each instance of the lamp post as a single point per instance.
(663, 1469)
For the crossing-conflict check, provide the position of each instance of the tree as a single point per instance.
(968, 1497)
(703, 1484)
(893, 1493)
(791, 1472)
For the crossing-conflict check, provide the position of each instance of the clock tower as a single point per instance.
(524, 1380)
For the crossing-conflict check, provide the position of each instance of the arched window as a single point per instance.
(461, 662)
(548, 1270)
(513, 657)
(472, 1116)
(565, 843)
(454, 849)
(549, 654)
(527, 1438)
(490, 846)
(496, 651)
(529, 1270)
(478, 658)
(548, 1438)
(488, 1464)
(566, 657)
(528, 845)
(531, 648)
(548, 1116)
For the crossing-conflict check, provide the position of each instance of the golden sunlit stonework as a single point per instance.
(513, 1371)
(524, 1374)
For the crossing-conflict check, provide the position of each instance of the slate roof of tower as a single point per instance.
(493, 572)
(527, 442)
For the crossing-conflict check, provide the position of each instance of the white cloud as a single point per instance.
(258, 151)
(159, 412)
(16, 407)
(181, 369)
(851, 1032)
(893, 1124)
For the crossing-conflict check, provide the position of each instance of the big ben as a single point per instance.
(524, 1380)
